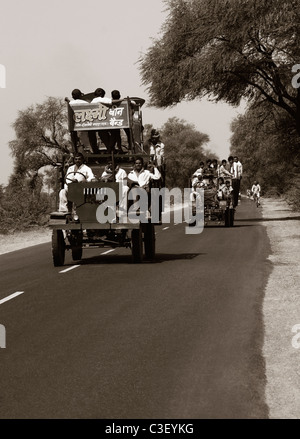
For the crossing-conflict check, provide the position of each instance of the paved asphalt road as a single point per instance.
(177, 338)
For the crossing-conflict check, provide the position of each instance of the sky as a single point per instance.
(48, 48)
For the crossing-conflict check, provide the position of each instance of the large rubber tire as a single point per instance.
(137, 245)
(149, 241)
(231, 217)
(76, 245)
(227, 217)
(58, 248)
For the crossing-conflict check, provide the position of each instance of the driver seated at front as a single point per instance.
(76, 173)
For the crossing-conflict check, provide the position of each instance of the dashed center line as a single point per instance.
(108, 251)
(70, 268)
(11, 296)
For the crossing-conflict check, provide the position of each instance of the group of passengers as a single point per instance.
(141, 176)
(222, 180)
(110, 138)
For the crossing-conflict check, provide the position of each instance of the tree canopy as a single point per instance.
(184, 149)
(226, 50)
(41, 136)
(266, 140)
(41, 139)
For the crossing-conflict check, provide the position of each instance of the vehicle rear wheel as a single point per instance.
(76, 245)
(58, 248)
(227, 217)
(231, 217)
(149, 241)
(137, 245)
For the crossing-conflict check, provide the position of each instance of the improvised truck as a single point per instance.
(80, 227)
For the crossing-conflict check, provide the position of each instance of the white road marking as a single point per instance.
(165, 228)
(11, 296)
(108, 251)
(70, 268)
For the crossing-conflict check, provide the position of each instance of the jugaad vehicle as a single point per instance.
(80, 226)
(218, 205)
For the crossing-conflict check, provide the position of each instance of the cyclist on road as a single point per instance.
(256, 190)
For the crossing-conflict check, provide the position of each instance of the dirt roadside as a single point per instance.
(19, 240)
(281, 307)
(281, 310)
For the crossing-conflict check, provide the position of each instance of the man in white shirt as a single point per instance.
(120, 177)
(223, 171)
(75, 136)
(140, 176)
(104, 134)
(76, 173)
(76, 95)
(100, 97)
(237, 171)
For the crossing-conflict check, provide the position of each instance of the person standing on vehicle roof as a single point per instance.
(115, 134)
(76, 173)
(103, 134)
(76, 95)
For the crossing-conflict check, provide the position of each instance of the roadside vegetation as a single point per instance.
(223, 50)
(237, 51)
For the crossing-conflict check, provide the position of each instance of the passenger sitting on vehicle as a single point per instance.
(215, 166)
(208, 169)
(200, 170)
(211, 183)
(76, 173)
(120, 174)
(221, 186)
(227, 191)
(223, 171)
(141, 177)
(120, 177)
(197, 181)
(211, 193)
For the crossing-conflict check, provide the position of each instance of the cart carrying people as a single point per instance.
(217, 196)
(101, 199)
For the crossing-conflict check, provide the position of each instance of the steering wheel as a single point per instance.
(70, 180)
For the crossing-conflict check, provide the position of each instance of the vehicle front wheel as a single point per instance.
(58, 248)
(149, 241)
(137, 245)
(76, 245)
(227, 217)
(231, 217)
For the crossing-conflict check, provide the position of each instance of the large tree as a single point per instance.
(41, 137)
(266, 141)
(184, 149)
(226, 50)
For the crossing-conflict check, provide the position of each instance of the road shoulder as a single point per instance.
(19, 240)
(281, 310)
